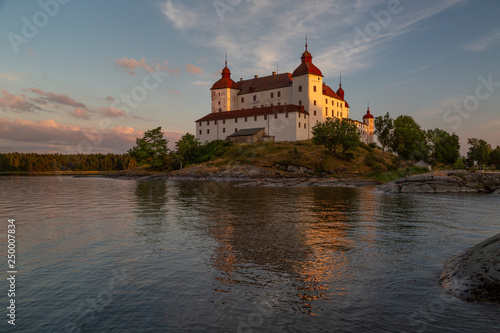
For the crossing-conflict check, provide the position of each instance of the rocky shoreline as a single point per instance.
(445, 182)
(247, 176)
(474, 275)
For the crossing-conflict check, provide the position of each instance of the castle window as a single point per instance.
(224, 130)
(200, 123)
(262, 106)
(333, 103)
(300, 102)
(219, 102)
(235, 130)
(208, 123)
(254, 98)
(215, 121)
(279, 103)
(272, 104)
(341, 115)
(314, 112)
(286, 115)
(275, 116)
(272, 95)
(315, 103)
(299, 125)
(326, 101)
(299, 114)
(243, 100)
(208, 131)
(279, 93)
(246, 119)
(337, 113)
(265, 117)
(300, 88)
(223, 121)
(327, 111)
(235, 120)
(220, 110)
(255, 118)
(314, 88)
(200, 132)
(305, 116)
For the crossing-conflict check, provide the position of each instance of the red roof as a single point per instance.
(265, 83)
(225, 81)
(307, 67)
(254, 112)
(327, 91)
(368, 115)
(341, 92)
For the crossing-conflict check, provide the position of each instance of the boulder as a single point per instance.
(474, 275)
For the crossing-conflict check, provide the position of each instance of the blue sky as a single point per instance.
(68, 65)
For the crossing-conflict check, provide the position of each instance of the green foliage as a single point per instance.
(187, 150)
(459, 163)
(336, 133)
(495, 157)
(444, 148)
(214, 149)
(374, 162)
(374, 146)
(18, 162)
(151, 149)
(409, 140)
(384, 127)
(479, 151)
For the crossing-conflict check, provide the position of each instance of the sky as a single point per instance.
(91, 76)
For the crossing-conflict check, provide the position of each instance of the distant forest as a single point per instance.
(59, 162)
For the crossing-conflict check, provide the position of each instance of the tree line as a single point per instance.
(405, 137)
(31, 162)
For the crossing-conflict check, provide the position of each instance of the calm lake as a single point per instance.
(103, 255)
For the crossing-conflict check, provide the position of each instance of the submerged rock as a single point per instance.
(474, 275)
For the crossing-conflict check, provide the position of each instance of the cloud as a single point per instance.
(58, 98)
(192, 69)
(180, 15)
(112, 112)
(80, 114)
(10, 102)
(110, 99)
(130, 65)
(50, 136)
(483, 43)
(258, 39)
(12, 76)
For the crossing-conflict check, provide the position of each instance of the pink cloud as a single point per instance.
(192, 69)
(80, 114)
(112, 112)
(14, 103)
(58, 99)
(130, 65)
(50, 136)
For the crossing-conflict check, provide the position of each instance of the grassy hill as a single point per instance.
(364, 161)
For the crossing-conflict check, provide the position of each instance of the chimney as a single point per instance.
(256, 77)
(241, 79)
(274, 73)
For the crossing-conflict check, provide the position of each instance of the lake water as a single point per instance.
(103, 255)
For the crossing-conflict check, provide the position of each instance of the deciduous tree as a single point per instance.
(335, 133)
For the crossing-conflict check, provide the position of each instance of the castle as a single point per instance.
(281, 107)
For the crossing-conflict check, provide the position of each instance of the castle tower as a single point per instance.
(308, 88)
(225, 92)
(369, 121)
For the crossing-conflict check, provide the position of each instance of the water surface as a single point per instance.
(103, 255)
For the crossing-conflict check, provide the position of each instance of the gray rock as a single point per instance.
(474, 275)
(446, 187)
(390, 188)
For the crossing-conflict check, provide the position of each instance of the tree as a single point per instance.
(151, 149)
(408, 139)
(479, 151)
(383, 130)
(335, 133)
(444, 148)
(495, 157)
(188, 149)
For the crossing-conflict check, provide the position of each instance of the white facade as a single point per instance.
(286, 105)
